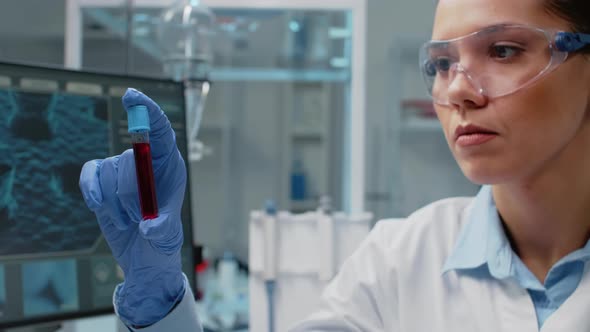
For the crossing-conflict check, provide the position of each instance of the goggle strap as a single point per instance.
(570, 41)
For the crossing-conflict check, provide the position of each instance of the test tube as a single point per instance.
(139, 127)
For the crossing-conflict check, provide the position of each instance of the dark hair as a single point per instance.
(576, 12)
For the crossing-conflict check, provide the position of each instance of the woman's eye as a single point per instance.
(441, 64)
(437, 65)
(504, 52)
(430, 68)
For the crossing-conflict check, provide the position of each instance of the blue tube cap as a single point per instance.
(138, 119)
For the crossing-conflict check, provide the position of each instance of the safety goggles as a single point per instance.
(496, 61)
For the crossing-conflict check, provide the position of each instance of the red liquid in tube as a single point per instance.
(145, 180)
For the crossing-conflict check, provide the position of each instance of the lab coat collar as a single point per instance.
(482, 240)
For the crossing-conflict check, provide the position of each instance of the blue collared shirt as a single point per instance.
(483, 243)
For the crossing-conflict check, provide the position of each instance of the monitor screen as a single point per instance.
(54, 263)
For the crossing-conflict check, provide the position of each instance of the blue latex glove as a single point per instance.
(147, 251)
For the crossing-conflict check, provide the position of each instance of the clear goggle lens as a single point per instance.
(496, 61)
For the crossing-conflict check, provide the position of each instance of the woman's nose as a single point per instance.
(464, 92)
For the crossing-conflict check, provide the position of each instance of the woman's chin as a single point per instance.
(486, 173)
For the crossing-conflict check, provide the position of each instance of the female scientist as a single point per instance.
(510, 81)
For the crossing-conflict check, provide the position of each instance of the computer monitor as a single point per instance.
(54, 263)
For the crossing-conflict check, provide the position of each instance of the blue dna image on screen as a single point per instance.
(49, 287)
(45, 138)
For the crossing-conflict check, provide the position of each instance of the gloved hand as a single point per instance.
(147, 251)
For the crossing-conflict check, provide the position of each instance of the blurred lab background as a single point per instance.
(300, 100)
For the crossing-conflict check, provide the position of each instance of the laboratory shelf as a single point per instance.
(279, 75)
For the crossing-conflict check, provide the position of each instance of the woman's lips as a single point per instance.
(475, 139)
(472, 135)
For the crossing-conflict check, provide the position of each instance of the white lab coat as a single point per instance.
(394, 282)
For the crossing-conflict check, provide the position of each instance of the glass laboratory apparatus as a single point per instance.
(185, 32)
